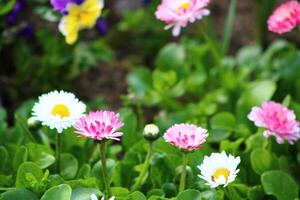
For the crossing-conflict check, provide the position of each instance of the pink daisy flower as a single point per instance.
(285, 17)
(278, 121)
(186, 136)
(100, 125)
(178, 13)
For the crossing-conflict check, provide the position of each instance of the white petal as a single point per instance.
(94, 197)
(176, 30)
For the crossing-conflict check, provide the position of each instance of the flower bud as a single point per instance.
(31, 122)
(151, 132)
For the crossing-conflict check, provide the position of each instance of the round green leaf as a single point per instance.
(262, 160)
(156, 192)
(69, 166)
(136, 196)
(171, 56)
(119, 192)
(84, 193)
(223, 121)
(20, 157)
(256, 93)
(256, 193)
(40, 154)
(62, 192)
(29, 174)
(18, 194)
(189, 194)
(279, 184)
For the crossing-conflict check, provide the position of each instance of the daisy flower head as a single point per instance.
(180, 13)
(278, 121)
(188, 137)
(78, 17)
(285, 18)
(219, 169)
(58, 110)
(100, 125)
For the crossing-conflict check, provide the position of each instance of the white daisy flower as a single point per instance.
(94, 197)
(58, 110)
(219, 169)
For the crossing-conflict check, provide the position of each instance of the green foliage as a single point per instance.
(190, 79)
(280, 184)
(58, 192)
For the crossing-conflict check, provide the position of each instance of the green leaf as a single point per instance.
(255, 141)
(256, 193)
(62, 191)
(223, 121)
(255, 94)
(172, 56)
(40, 154)
(189, 195)
(21, 122)
(222, 124)
(84, 171)
(6, 6)
(4, 157)
(18, 194)
(231, 147)
(212, 195)
(262, 160)
(84, 193)
(69, 166)
(136, 196)
(237, 191)
(6, 180)
(170, 189)
(156, 192)
(279, 184)
(119, 192)
(20, 157)
(130, 127)
(29, 175)
(139, 81)
(97, 171)
(87, 183)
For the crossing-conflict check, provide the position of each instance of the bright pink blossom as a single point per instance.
(285, 17)
(278, 121)
(186, 136)
(178, 13)
(99, 125)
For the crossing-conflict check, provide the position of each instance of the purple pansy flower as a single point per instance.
(145, 2)
(11, 17)
(26, 31)
(61, 5)
(101, 26)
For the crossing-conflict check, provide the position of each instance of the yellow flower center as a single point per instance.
(222, 171)
(61, 110)
(185, 5)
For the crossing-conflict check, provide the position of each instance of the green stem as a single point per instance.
(140, 114)
(6, 189)
(104, 169)
(229, 26)
(212, 45)
(57, 153)
(144, 171)
(183, 173)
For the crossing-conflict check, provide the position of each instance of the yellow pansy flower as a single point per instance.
(80, 17)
